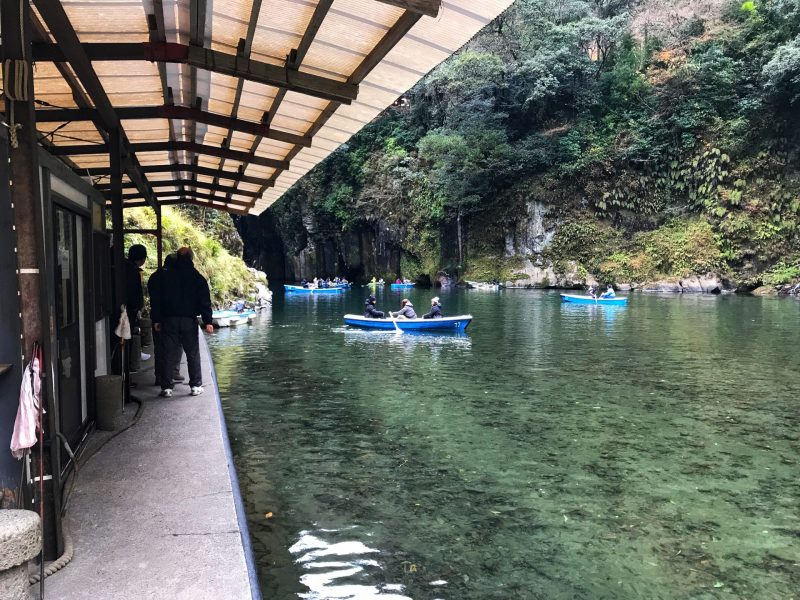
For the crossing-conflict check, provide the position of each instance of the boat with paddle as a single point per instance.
(299, 289)
(454, 324)
(583, 299)
(401, 286)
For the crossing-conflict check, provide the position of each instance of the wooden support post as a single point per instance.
(24, 175)
(159, 237)
(117, 232)
(36, 319)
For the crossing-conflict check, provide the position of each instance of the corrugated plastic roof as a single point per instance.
(381, 48)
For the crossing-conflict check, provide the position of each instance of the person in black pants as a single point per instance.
(137, 255)
(155, 290)
(183, 296)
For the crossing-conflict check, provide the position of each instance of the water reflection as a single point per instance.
(338, 567)
(556, 452)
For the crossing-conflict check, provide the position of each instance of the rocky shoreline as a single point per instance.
(709, 283)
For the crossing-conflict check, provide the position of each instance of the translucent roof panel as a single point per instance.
(254, 109)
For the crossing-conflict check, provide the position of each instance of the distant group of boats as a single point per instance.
(457, 324)
(300, 289)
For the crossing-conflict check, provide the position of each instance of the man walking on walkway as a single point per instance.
(184, 296)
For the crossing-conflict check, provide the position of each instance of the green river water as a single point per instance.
(553, 452)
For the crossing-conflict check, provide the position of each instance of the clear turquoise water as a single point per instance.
(553, 452)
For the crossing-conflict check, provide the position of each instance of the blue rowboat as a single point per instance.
(298, 289)
(402, 286)
(457, 324)
(577, 299)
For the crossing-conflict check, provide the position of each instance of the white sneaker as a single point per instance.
(166, 393)
(196, 390)
(145, 356)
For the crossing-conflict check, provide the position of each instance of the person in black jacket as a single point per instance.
(436, 310)
(183, 296)
(155, 286)
(134, 295)
(369, 309)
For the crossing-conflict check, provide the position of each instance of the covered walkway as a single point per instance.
(154, 512)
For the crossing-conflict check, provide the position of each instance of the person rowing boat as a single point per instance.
(406, 311)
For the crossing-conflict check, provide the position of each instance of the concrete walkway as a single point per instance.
(154, 513)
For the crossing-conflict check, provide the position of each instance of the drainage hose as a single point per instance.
(65, 558)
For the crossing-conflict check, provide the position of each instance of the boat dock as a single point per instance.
(156, 512)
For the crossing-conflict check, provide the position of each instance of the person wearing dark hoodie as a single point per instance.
(370, 312)
(406, 311)
(155, 287)
(436, 310)
(184, 296)
(137, 255)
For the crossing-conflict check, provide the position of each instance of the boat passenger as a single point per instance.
(370, 311)
(593, 291)
(304, 283)
(381, 281)
(398, 281)
(436, 310)
(373, 282)
(609, 293)
(406, 311)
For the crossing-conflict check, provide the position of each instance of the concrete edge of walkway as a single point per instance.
(241, 515)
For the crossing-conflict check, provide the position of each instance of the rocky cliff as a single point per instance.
(643, 143)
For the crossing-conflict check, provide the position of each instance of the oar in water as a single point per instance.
(394, 322)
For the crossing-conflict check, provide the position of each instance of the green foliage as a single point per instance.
(782, 72)
(659, 160)
(338, 202)
(228, 276)
(680, 248)
(782, 273)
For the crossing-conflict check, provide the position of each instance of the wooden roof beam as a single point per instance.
(210, 60)
(182, 168)
(84, 149)
(185, 183)
(57, 21)
(244, 49)
(158, 34)
(169, 111)
(239, 210)
(188, 194)
(429, 8)
(401, 27)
